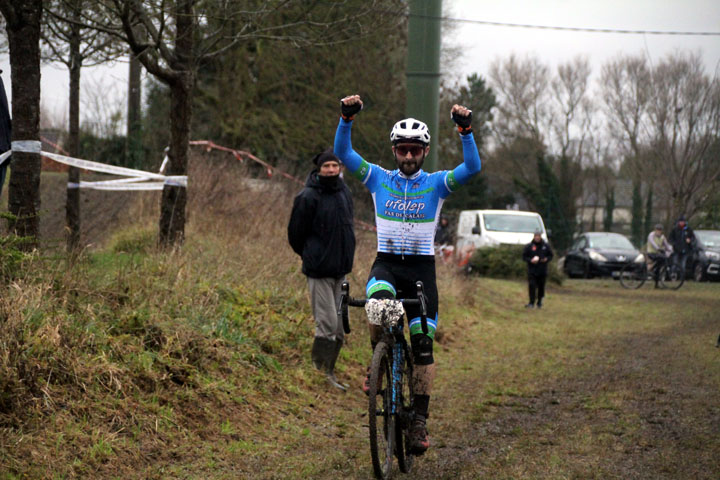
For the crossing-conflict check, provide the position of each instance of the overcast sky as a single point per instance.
(481, 44)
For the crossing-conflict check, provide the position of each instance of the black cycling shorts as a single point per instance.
(392, 276)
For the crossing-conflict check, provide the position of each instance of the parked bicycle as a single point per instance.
(390, 409)
(669, 275)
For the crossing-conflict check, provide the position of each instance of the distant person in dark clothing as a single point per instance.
(537, 254)
(443, 236)
(321, 231)
(5, 132)
(681, 238)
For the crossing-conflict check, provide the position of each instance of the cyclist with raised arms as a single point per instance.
(408, 201)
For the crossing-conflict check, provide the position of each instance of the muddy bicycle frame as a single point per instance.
(398, 354)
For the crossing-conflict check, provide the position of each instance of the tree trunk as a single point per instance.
(23, 30)
(174, 198)
(134, 125)
(72, 205)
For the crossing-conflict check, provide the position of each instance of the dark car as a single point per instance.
(599, 254)
(705, 258)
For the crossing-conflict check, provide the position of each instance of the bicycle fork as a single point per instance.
(396, 390)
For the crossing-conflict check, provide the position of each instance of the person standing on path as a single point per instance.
(321, 231)
(537, 254)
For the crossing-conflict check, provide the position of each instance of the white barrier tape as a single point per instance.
(137, 182)
(26, 146)
(101, 167)
(120, 181)
(131, 184)
(164, 164)
(120, 187)
(176, 180)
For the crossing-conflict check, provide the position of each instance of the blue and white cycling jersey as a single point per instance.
(407, 209)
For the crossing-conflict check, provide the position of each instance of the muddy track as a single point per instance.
(641, 432)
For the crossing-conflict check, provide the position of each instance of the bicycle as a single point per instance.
(391, 366)
(669, 274)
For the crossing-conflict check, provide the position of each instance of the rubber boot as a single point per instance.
(330, 372)
(318, 353)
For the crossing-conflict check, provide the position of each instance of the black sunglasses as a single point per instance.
(415, 150)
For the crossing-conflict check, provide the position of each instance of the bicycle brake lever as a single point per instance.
(343, 307)
(423, 306)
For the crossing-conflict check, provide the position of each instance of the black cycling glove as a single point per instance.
(349, 111)
(463, 122)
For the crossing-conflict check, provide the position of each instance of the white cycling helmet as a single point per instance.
(410, 130)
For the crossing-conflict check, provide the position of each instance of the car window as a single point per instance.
(511, 223)
(710, 239)
(610, 242)
(579, 243)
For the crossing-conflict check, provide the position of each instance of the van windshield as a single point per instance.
(498, 222)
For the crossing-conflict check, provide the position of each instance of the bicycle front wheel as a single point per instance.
(381, 420)
(402, 445)
(633, 275)
(671, 276)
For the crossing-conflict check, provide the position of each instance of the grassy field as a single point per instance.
(194, 363)
(142, 365)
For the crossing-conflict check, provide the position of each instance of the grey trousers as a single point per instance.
(324, 295)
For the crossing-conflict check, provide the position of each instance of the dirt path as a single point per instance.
(629, 398)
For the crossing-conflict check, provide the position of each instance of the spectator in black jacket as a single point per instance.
(681, 238)
(5, 132)
(321, 232)
(537, 254)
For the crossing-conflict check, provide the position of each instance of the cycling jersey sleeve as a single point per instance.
(463, 172)
(357, 166)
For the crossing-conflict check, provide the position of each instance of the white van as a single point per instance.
(491, 228)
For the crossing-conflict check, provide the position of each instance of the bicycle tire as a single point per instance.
(633, 275)
(402, 447)
(671, 277)
(382, 437)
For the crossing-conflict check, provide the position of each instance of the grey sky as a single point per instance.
(481, 44)
(484, 43)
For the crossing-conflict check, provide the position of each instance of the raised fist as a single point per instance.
(350, 106)
(462, 116)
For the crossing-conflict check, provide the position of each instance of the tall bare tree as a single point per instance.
(667, 118)
(571, 125)
(22, 19)
(551, 113)
(521, 87)
(684, 121)
(74, 46)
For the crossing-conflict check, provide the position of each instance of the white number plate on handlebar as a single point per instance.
(386, 312)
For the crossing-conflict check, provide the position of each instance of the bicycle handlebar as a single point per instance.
(346, 300)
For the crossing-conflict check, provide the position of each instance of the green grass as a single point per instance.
(138, 363)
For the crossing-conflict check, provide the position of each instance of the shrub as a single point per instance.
(12, 256)
(134, 240)
(505, 262)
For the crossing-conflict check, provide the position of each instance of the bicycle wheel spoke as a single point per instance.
(405, 459)
(672, 277)
(381, 421)
(633, 275)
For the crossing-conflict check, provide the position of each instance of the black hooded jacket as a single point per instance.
(321, 227)
(5, 131)
(678, 239)
(543, 251)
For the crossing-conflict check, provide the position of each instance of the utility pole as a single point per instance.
(423, 69)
